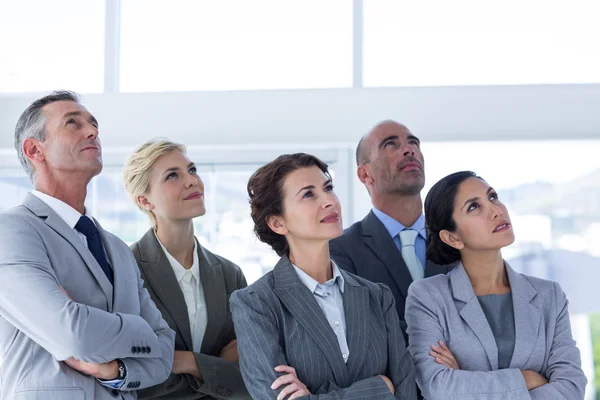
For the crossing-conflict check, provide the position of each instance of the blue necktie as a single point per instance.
(88, 228)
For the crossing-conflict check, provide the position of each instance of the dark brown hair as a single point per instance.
(265, 188)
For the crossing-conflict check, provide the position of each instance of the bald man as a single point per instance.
(388, 245)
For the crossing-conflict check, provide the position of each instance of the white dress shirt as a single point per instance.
(193, 294)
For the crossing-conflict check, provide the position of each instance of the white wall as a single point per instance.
(335, 115)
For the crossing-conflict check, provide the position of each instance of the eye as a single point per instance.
(388, 143)
(414, 143)
(329, 188)
(193, 170)
(171, 176)
(71, 121)
(472, 207)
(493, 196)
(308, 194)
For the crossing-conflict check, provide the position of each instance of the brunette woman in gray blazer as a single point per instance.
(309, 329)
(485, 331)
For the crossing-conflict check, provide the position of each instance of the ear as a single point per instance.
(33, 150)
(364, 174)
(145, 203)
(277, 224)
(452, 239)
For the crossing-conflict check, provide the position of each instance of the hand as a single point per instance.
(533, 380)
(443, 355)
(230, 352)
(294, 387)
(105, 371)
(182, 361)
(389, 383)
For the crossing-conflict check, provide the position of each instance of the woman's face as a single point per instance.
(176, 191)
(482, 220)
(311, 210)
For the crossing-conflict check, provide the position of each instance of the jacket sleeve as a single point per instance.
(438, 382)
(32, 301)
(260, 353)
(566, 379)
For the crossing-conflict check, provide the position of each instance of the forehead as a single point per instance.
(171, 159)
(472, 187)
(304, 177)
(58, 109)
(386, 129)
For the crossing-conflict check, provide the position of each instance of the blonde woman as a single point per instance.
(189, 284)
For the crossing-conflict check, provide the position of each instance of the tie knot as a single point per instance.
(86, 226)
(408, 237)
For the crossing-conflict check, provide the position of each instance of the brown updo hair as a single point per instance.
(265, 189)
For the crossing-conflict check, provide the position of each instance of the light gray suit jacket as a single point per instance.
(220, 277)
(40, 326)
(445, 308)
(278, 321)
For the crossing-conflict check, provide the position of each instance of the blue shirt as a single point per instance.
(394, 227)
(329, 298)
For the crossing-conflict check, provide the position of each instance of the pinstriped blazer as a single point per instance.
(445, 307)
(278, 321)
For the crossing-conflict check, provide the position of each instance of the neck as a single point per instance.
(486, 272)
(71, 190)
(313, 258)
(178, 239)
(405, 209)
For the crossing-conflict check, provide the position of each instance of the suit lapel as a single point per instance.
(161, 278)
(56, 223)
(379, 241)
(302, 305)
(472, 313)
(527, 317)
(356, 305)
(215, 296)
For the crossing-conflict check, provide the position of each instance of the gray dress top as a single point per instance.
(498, 309)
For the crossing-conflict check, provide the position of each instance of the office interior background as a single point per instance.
(510, 90)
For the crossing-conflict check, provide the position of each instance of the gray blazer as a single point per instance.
(445, 308)
(278, 321)
(40, 326)
(220, 277)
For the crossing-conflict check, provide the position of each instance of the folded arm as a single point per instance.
(441, 382)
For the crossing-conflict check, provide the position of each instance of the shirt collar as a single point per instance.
(179, 270)
(66, 212)
(394, 227)
(312, 284)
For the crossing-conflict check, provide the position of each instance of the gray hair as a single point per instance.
(31, 124)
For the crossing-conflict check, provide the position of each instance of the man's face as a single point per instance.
(71, 143)
(397, 165)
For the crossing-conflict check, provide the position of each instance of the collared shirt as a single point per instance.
(193, 294)
(71, 217)
(394, 227)
(329, 297)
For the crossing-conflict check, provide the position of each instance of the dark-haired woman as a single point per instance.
(308, 328)
(485, 331)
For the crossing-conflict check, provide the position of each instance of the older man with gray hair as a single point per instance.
(75, 319)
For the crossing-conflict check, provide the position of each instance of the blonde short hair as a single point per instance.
(137, 169)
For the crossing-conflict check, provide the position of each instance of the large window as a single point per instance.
(49, 45)
(184, 45)
(471, 42)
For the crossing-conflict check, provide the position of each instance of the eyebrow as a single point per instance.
(472, 199)
(310, 187)
(80, 114)
(173, 169)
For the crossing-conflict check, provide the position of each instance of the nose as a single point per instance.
(408, 149)
(91, 131)
(191, 181)
(329, 200)
(497, 211)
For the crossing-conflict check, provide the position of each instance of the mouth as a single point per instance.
(502, 227)
(331, 218)
(91, 148)
(195, 195)
(411, 166)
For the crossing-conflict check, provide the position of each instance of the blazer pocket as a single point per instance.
(50, 393)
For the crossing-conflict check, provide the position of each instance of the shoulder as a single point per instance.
(19, 221)
(437, 286)
(549, 291)
(377, 290)
(259, 291)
